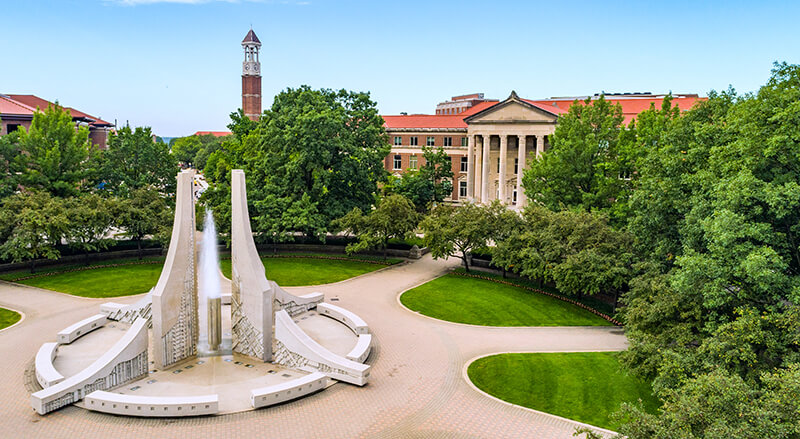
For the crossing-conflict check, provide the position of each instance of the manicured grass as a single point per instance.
(8, 317)
(298, 271)
(481, 302)
(587, 386)
(132, 278)
(14, 275)
(123, 280)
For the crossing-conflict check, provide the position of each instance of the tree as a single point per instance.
(394, 217)
(31, 225)
(185, 149)
(432, 183)
(713, 316)
(144, 213)
(450, 230)
(10, 158)
(90, 220)
(582, 169)
(55, 153)
(319, 152)
(577, 251)
(133, 161)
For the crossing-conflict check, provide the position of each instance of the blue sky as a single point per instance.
(176, 65)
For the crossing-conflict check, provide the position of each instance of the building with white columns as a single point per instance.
(491, 142)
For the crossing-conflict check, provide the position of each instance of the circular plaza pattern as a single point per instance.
(416, 389)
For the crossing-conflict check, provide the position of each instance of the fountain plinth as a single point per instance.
(214, 323)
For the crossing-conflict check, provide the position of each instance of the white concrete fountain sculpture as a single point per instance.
(263, 315)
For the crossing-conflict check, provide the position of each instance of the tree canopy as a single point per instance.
(133, 161)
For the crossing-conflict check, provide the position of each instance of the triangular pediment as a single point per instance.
(512, 110)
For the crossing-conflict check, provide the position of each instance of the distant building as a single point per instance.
(17, 111)
(489, 142)
(213, 133)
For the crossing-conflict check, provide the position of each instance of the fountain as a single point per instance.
(210, 290)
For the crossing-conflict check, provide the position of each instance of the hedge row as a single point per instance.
(536, 290)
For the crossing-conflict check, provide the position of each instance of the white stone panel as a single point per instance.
(174, 298)
(74, 331)
(353, 321)
(152, 406)
(362, 349)
(252, 295)
(46, 373)
(278, 393)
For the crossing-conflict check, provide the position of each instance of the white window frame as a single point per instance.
(397, 162)
(398, 140)
(448, 141)
(462, 189)
(412, 162)
(430, 141)
(464, 163)
(413, 140)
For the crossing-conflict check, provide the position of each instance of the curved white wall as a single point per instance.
(296, 349)
(361, 350)
(354, 322)
(296, 388)
(125, 361)
(77, 330)
(152, 406)
(46, 373)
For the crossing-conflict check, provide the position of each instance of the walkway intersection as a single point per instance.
(416, 388)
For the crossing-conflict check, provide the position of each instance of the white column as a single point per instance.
(485, 169)
(521, 156)
(470, 168)
(501, 178)
(539, 145)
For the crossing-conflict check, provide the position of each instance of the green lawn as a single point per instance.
(481, 302)
(123, 280)
(291, 272)
(587, 387)
(8, 317)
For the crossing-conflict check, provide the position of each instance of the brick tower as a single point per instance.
(251, 76)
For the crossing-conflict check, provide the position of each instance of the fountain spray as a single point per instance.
(211, 283)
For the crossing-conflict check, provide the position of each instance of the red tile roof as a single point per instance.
(36, 102)
(631, 107)
(213, 133)
(10, 106)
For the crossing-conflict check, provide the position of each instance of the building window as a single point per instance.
(412, 140)
(398, 161)
(464, 141)
(516, 166)
(430, 141)
(498, 165)
(449, 164)
(398, 140)
(412, 164)
(448, 141)
(462, 189)
(514, 196)
(10, 128)
(464, 161)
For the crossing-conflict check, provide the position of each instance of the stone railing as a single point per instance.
(46, 373)
(354, 322)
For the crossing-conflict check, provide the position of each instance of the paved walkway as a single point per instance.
(416, 386)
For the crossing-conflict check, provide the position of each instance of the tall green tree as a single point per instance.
(10, 159)
(317, 152)
(457, 230)
(145, 212)
(583, 167)
(133, 161)
(31, 226)
(55, 153)
(715, 311)
(432, 183)
(394, 217)
(90, 221)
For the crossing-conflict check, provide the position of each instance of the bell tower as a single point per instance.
(251, 76)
